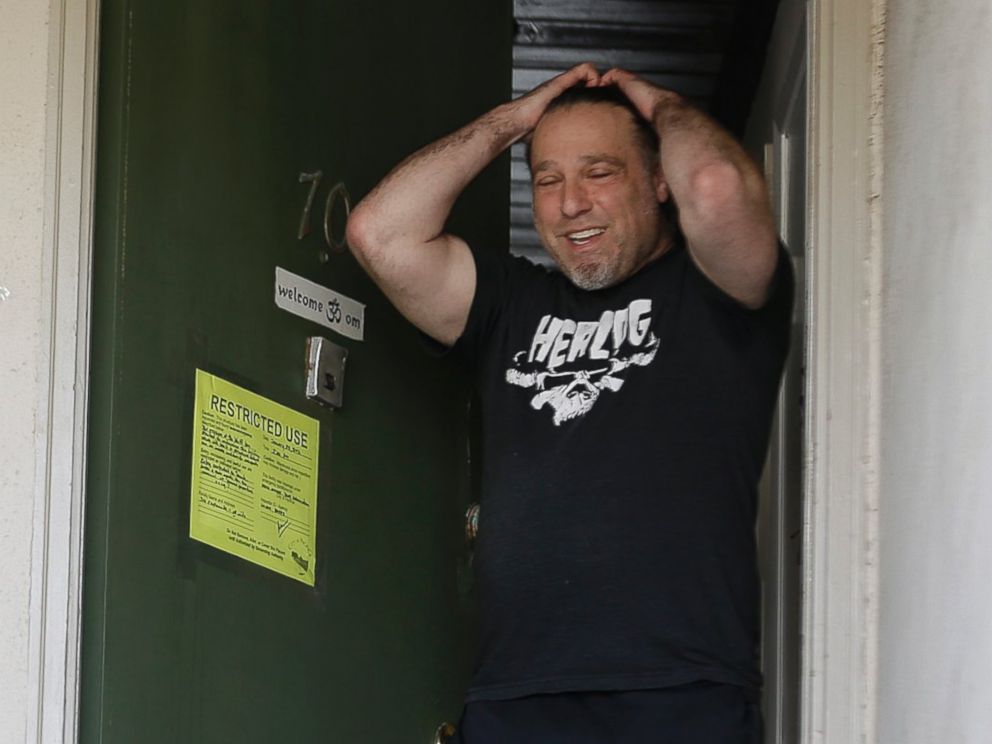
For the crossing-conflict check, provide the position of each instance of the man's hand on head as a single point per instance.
(529, 108)
(645, 96)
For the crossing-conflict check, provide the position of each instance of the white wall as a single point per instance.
(23, 73)
(935, 639)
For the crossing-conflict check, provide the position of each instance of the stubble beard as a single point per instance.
(603, 271)
(595, 275)
(610, 268)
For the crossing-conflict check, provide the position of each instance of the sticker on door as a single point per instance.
(331, 309)
(253, 490)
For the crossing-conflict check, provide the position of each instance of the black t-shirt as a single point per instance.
(624, 431)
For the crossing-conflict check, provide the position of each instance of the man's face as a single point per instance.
(596, 198)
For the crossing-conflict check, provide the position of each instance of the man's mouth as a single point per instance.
(584, 237)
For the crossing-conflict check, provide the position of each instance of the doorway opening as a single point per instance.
(744, 63)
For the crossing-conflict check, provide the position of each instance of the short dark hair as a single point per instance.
(613, 96)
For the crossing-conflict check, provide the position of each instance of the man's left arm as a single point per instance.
(723, 203)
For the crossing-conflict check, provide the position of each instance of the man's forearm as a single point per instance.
(720, 192)
(693, 145)
(413, 202)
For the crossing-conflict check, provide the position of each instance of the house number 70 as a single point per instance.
(338, 191)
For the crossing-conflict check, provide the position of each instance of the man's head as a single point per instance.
(598, 187)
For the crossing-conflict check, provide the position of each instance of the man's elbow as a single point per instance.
(358, 231)
(365, 239)
(722, 186)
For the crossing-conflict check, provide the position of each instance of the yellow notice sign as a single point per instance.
(254, 485)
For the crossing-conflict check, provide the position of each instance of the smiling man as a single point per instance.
(627, 400)
(597, 187)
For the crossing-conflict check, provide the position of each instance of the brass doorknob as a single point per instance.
(471, 524)
(444, 732)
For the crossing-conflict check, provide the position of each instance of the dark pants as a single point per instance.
(698, 713)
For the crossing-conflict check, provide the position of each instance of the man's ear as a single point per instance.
(661, 186)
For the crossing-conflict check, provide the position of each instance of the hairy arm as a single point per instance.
(397, 231)
(723, 203)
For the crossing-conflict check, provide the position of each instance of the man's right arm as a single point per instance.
(397, 231)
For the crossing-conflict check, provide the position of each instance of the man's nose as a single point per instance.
(574, 200)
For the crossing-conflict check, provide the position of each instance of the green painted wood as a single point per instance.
(208, 112)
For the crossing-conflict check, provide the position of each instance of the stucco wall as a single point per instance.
(935, 649)
(23, 70)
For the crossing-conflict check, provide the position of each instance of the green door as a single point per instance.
(209, 111)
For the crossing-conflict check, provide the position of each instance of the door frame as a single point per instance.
(63, 377)
(841, 441)
(840, 579)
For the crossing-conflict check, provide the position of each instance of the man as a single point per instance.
(626, 407)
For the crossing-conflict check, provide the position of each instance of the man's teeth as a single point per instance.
(583, 235)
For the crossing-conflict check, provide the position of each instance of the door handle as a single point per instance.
(443, 733)
(471, 524)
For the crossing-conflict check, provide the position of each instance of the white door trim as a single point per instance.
(840, 580)
(56, 559)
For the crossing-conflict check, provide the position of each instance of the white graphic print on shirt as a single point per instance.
(570, 363)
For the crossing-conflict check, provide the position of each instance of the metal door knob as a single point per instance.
(471, 524)
(444, 732)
